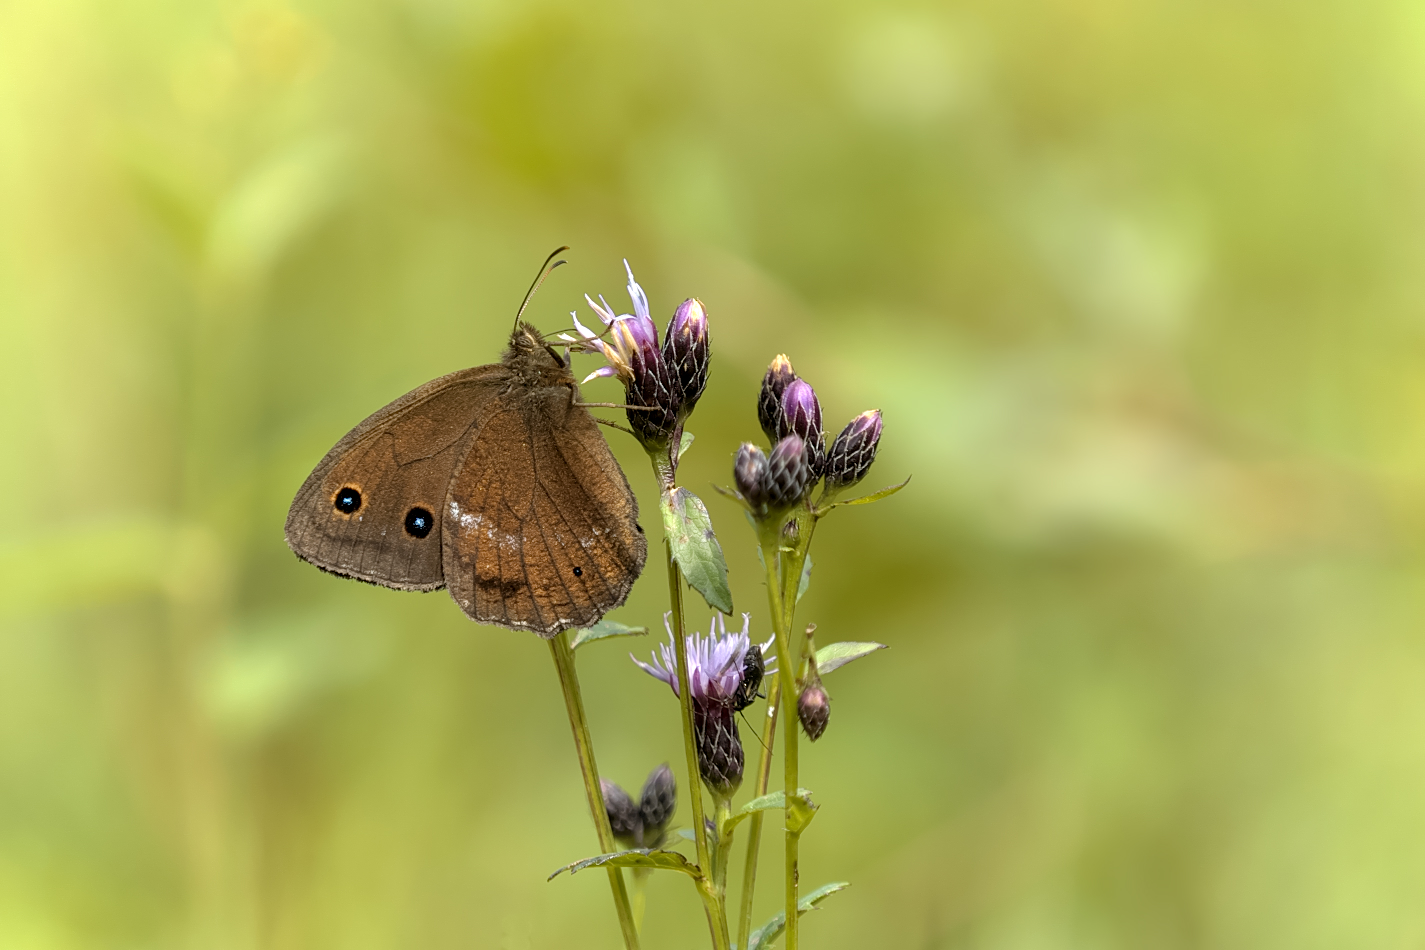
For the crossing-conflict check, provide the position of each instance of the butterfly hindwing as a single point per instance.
(540, 525)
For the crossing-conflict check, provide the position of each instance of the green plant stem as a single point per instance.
(754, 824)
(584, 745)
(722, 811)
(786, 658)
(712, 903)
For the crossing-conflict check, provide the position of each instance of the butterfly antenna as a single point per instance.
(545, 270)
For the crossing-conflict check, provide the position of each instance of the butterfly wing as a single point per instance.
(371, 509)
(541, 529)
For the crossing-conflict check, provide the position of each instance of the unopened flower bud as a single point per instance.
(853, 451)
(749, 471)
(787, 472)
(814, 709)
(769, 400)
(801, 414)
(623, 813)
(686, 352)
(658, 801)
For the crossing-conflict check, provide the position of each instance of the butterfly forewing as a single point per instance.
(540, 525)
(371, 509)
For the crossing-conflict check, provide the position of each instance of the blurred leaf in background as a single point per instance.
(1136, 286)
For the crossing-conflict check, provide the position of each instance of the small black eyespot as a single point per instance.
(639, 527)
(348, 500)
(578, 572)
(419, 522)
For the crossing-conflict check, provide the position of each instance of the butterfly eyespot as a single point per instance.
(347, 501)
(639, 527)
(578, 572)
(419, 522)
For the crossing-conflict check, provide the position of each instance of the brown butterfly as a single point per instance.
(494, 482)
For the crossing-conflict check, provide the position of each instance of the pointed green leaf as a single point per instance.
(836, 655)
(805, 581)
(685, 443)
(803, 810)
(636, 858)
(773, 801)
(874, 496)
(763, 937)
(603, 630)
(695, 547)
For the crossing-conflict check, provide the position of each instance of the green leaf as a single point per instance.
(695, 547)
(805, 581)
(874, 496)
(837, 655)
(764, 936)
(773, 801)
(637, 858)
(803, 811)
(603, 630)
(685, 443)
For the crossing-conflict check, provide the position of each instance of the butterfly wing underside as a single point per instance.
(541, 529)
(359, 514)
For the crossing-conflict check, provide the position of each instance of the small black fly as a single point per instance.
(752, 669)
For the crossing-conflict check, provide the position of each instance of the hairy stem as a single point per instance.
(584, 745)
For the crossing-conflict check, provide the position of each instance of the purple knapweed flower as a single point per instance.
(769, 399)
(801, 415)
(715, 671)
(687, 354)
(788, 474)
(635, 357)
(749, 473)
(854, 450)
(814, 709)
(641, 824)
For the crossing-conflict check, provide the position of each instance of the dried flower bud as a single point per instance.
(749, 471)
(623, 813)
(787, 472)
(769, 400)
(814, 709)
(686, 353)
(853, 451)
(658, 801)
(801, 414)
(719, 746)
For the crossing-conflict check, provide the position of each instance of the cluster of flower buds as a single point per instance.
(724, 670)
(790, 415)
(662, 384)
(642, 824)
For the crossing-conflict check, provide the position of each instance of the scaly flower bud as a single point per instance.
(623, 813)
(719, 747)
(686, 352)
(814, 709)
(749, 472)
(787, 472)
(853, 451)
(769, 401)
(801, 414)
(658, 801)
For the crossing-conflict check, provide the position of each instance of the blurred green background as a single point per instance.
(1137, 286)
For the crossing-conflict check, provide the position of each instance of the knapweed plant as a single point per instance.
(785, 489)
